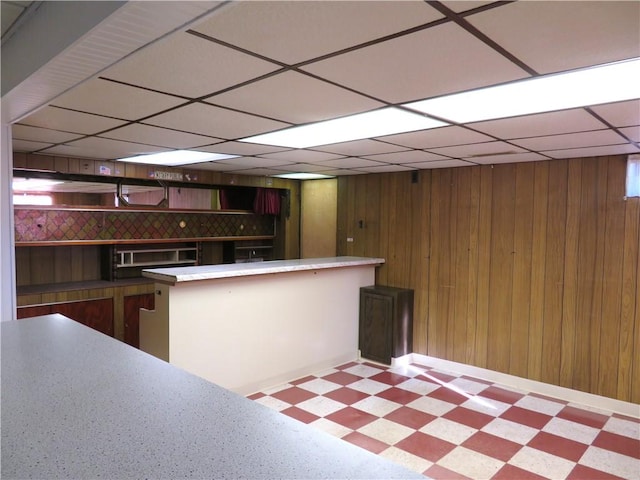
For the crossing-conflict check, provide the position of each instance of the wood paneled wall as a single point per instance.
(318, 218)
(531, 269)
(48, 265)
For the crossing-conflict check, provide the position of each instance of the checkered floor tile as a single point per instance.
(449, 426)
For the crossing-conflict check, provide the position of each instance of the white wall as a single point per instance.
(7, 257)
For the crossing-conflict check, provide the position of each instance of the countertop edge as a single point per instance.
(211, 272)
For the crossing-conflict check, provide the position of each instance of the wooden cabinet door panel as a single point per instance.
(386, 323)
(375, 336)
(33, 311)
(97, 314)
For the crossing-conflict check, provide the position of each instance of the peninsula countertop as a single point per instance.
(175, 275)
(79, 404)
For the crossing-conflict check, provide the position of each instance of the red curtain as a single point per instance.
(267, 201)
(224, 199)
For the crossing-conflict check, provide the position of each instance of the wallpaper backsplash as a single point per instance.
(73, 225)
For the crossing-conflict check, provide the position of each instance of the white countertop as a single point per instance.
(78, 404)
(175, 275)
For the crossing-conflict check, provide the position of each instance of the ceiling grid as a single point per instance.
(260, 67)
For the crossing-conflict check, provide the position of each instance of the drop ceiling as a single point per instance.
(257, 67)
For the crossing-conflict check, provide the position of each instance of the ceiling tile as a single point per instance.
(301, 156)
(564, 35)
(468, 151)
(447, 56)
(257, 95)
(410, 156)
(442, 164)
(162, 137)
(336, 173)
(437, 137)
(260, 172)
(621, 114)
(593, 151)
(10, 13)
(41, 134)
(293, 32)
(28, 145)
(386, 169)
(253, 162)
(464, 5)
(188, 65)
(70, 121)
(632, 132)
(115, 100)
(216, 122)
(510, 158)
(571, 140)
(213, 166)
(566, 121)
(300, 167)
(241, 148)
(102, 148)
(295, 97)
(361, 147)
(350, 162)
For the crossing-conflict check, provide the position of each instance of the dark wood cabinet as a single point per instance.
(132, 306)
(95, 313)
(244, 251)
(386, 323)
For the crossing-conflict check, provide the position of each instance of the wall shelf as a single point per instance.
(157, 256)
(128, 260)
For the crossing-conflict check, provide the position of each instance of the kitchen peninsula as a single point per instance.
(79, 404)
(249, 326)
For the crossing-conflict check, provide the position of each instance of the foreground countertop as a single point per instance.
(79, 404)
(175, 275)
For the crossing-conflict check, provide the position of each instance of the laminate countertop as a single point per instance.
(79, 404)
(175, 275)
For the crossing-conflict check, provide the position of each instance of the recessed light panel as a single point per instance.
(302, 176)
(176, 158)
(386, 121)
(608, 83)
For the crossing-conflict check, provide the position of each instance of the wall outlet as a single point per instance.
(349, 239)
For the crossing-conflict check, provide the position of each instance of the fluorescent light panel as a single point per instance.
(176, 158)
(385, 121)
(608, 83)
(302, 176)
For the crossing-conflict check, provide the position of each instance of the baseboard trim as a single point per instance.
(555, 391)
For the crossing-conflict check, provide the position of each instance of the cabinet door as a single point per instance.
(97, 314)
(132, 306)
(376, 326)
(33, 311)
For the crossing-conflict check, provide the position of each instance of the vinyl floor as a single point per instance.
(450, 426)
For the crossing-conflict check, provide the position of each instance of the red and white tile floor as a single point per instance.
(449, 426)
